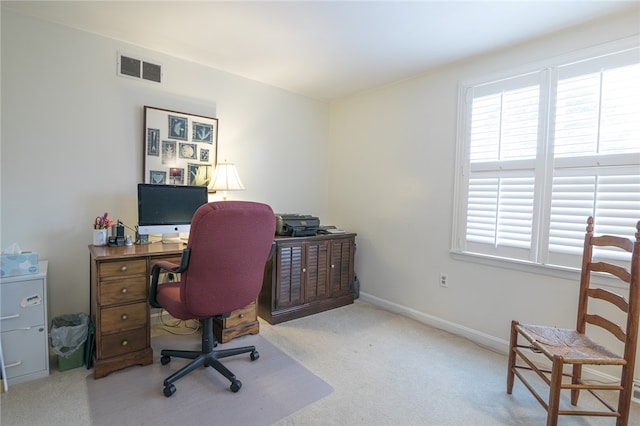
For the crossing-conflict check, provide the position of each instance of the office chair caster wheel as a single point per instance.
(254, 355)
(236, 385)
(169, 390)
(164, 360)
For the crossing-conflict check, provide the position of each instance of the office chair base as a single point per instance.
(205, 358)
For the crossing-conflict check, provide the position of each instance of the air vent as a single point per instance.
(152, 72)
(138, 68)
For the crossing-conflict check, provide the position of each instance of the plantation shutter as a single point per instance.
(596, 157)
(543, 151)
(504, 130)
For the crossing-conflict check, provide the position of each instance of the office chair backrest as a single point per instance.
(229, 243)
(626, 331)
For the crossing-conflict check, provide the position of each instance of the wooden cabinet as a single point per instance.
(23, 326)
(307, 275)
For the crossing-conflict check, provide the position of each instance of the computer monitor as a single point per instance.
(168, 209)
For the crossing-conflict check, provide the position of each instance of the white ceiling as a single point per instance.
(322, 49)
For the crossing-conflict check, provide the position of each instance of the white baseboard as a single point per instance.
(478, 337)
(483, 339)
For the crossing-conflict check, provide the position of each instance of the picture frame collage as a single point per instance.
(179, 148)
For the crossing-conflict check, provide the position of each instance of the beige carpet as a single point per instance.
(273, 387)
(385, 369)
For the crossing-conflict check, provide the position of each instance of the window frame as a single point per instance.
(548, 69)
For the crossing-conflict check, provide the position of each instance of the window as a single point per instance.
(541, 151)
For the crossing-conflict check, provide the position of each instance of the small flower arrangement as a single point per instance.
(102, 222)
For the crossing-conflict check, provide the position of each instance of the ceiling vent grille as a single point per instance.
(138, 68)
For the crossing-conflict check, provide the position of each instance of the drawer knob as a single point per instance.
(333, 266)
(241, 315)
(304, 269)
(124, 317)
(124, 291)
(124, 343)
(123, 268)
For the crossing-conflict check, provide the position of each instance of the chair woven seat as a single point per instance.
(574, 347)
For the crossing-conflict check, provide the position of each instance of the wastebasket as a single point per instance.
(68, 335)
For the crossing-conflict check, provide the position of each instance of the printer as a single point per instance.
(296, 225)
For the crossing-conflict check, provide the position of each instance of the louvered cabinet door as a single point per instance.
(341, 266)
(290, 275)
(316, 270)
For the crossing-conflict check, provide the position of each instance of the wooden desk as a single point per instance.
(120, 279)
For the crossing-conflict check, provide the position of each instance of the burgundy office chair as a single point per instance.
(221, 270)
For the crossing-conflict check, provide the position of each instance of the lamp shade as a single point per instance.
(225, 178)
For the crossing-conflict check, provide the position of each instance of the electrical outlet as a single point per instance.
(635, 392)
(444, 281)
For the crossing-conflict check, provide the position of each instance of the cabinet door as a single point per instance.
(317, 271)
(341, 266)
(290, 275)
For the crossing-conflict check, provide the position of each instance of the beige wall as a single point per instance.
(392, 159)
(72, 142)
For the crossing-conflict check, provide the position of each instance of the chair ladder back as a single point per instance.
(610, 297)
(610, 326)
(633, 317)
(608, 240)
(626, 378)
(585, 278)
(618, 271)
(586, 292)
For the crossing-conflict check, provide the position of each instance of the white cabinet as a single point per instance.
(23, 326)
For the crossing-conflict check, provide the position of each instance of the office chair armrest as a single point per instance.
(168, 267)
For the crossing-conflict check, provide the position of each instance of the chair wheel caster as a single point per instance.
(236, 385)
(254, 355)
(169, 390)
(166, 359)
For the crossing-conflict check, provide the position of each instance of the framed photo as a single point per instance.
(179, 148)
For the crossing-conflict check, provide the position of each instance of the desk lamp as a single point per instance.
(225, 178)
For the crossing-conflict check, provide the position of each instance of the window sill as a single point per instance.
(572, 274)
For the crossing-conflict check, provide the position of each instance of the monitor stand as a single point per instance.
(171, 238)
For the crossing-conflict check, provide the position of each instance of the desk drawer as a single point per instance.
(242, 316)
(122, 268)
(123, 317)
(122, 343)
(173, 259)
(123, 290)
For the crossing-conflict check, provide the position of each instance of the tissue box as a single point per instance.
(12, 265)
